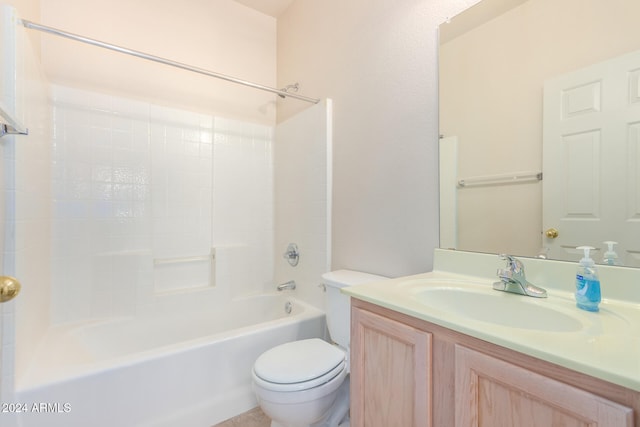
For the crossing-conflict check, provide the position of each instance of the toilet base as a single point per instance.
(338, 414)
(345, 423)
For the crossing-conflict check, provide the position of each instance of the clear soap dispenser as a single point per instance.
(610, 256)
(587, 283)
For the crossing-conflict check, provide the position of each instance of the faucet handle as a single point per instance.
(512, 279)
(504, 274)
(513, 264)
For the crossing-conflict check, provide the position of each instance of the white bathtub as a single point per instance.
(192, 370)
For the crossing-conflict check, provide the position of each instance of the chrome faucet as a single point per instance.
(291, 284)
(512, 279)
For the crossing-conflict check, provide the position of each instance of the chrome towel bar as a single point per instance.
(514, 178)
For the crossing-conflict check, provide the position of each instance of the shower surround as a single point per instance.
(130, 210)
(150, 201)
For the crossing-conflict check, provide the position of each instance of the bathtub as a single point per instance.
(158, 371)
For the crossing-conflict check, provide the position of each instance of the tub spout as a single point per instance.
(291, 284)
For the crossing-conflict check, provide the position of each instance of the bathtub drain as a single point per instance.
(288, 307)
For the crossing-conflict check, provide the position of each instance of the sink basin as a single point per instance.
(500, 308)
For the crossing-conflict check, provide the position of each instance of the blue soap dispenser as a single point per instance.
(587, 283)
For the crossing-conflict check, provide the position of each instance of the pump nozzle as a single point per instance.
(586, 261)
(610, 256)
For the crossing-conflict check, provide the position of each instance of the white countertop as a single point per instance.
(606, 345)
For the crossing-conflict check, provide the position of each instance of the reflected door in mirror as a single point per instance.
(591, 188)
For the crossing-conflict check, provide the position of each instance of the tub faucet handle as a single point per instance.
(292, 255)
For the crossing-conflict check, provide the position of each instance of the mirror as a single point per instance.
(507, 88)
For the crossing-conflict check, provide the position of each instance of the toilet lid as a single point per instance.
(299, 361)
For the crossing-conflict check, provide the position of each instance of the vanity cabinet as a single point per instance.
(491, 392)
(409, 372)
(390, 372)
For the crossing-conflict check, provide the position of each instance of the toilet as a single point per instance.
(306, 383)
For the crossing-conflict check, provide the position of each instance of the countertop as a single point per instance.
(605, 346)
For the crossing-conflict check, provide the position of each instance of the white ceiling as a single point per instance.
(269, 7)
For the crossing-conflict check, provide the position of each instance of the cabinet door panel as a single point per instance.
(493, 393)
(390, 373)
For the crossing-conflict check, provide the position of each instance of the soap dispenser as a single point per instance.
(610, 256)
(587, 283)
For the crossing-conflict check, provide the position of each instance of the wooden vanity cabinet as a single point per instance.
(393, 372)
(407, 372)
(491, 392)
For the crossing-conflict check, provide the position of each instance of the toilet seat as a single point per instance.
(299, 386)
(298, 365)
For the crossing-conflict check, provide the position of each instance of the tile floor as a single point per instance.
(252, 418)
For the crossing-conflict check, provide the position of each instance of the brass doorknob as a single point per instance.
(551, 233)
(9, 288)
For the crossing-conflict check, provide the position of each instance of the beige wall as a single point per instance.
(492, 80)
(378, 62)
(28, 9)
(221, 36)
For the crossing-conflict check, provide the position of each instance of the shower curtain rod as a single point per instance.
(76, 37)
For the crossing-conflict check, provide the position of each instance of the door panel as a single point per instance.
(591, 189)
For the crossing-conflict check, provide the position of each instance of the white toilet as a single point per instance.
(302, 383)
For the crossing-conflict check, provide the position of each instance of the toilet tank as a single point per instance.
(338, 305)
